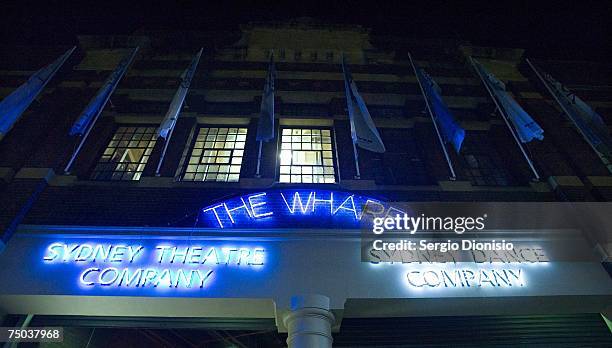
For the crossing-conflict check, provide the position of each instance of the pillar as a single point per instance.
(309, 322)
(22, 323)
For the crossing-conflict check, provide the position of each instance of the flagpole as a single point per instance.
(357, 173)
(336, 149)
(83, 139)
(175, 111)
(268, 89)
(259, 160)
(564, 108)
(163, 154)
(503, 115)
(433, 119)
(347, 92)
(93, 122)
(8, 118)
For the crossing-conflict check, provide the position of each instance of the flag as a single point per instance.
(179, 98)
(363, 130)
(580, 113)
(13, 106)
(96, 105)
(451, 131)
(265, 127)
(524, 125)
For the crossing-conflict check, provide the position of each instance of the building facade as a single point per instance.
(111, 205)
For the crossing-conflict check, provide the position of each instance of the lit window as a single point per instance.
(126, 154)
(306, 156)
(217, 155)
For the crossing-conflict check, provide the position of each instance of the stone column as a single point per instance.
(22, 323)
(309, 322)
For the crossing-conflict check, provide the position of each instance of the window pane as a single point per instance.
(305, 152)
(126, 154)
(223, 146)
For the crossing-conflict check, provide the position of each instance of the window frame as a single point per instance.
(109, 140)
(191, 147)
(334, 148)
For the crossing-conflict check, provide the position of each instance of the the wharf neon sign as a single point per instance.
(159, 266)
(277, 208)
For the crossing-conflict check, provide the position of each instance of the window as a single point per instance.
(216, 155)
(313, 56)
(329, 56)
(126, 154)
(306, 156)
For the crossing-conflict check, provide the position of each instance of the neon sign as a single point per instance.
(295, 208)
(161, 266)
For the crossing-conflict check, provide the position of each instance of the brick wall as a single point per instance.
(414, 156)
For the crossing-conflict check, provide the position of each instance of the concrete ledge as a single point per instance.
(540, 186)
(163, 182)
(6, 174)
(35, 173)
(456, 185)
(237, 121)
(63, 180)
(135, 119)
(512, 54)
(600, 181)
(556, 181)
(467, 306)
(134, 306)
(326, 122)
(256, 182)
(155, 181)
(351, 184)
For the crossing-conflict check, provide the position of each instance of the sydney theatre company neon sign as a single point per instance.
(152, 265)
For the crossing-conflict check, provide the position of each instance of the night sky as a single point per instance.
(564, 29)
